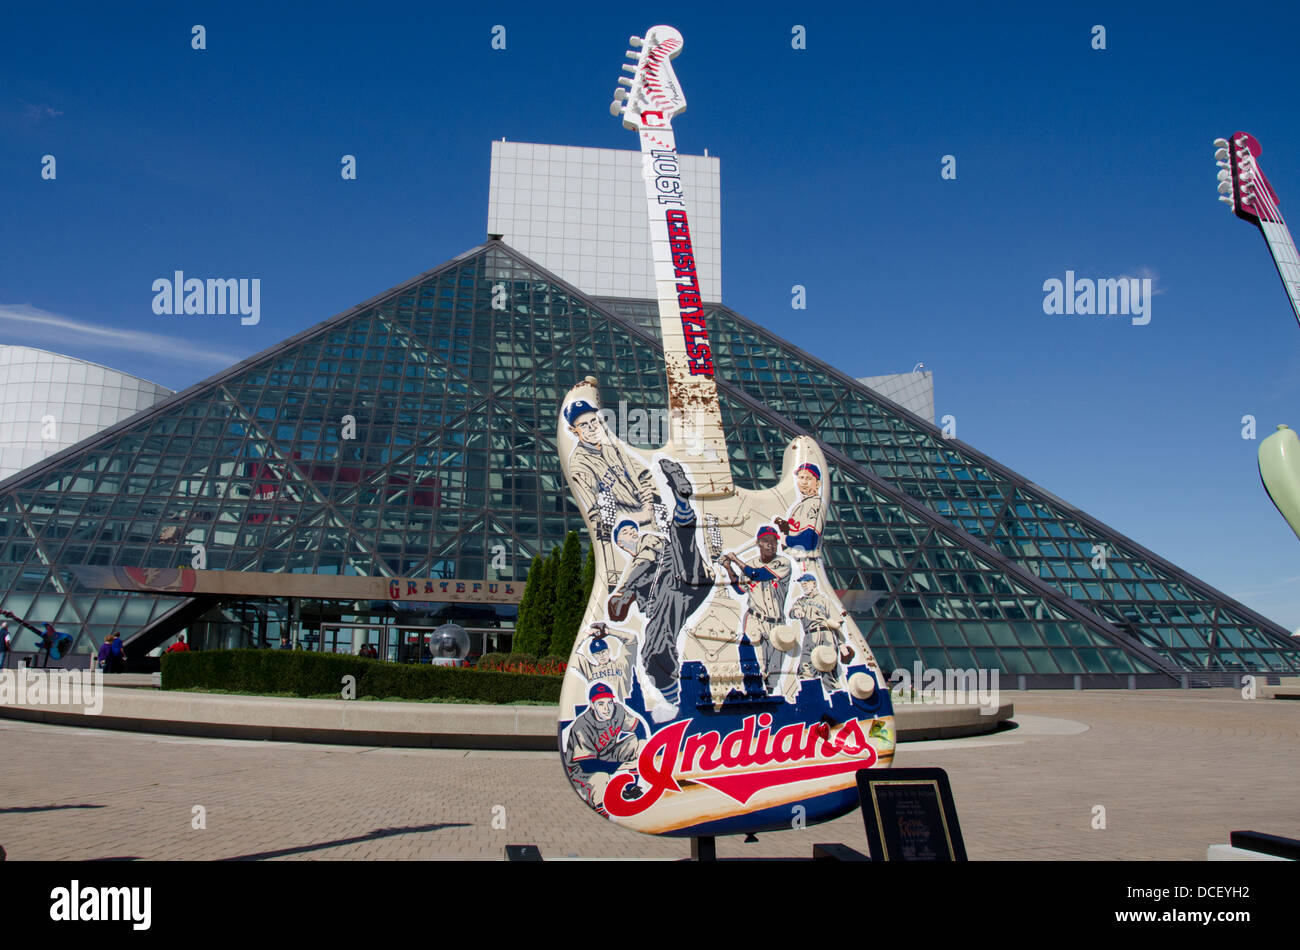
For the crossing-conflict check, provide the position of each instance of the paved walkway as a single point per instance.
(1175, 771)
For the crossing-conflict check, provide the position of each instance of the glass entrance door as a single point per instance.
(351, 637)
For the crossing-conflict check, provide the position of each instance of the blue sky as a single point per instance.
(226, 162)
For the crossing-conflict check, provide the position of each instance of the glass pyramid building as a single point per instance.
(452, 381)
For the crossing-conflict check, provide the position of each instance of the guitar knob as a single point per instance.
(861, 685)
(824, 658)
(785, 639)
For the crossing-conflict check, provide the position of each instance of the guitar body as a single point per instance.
(699, 700)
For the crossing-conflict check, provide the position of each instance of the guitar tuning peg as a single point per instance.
(634, 42)
(616, 108)
(1221, 154)
(627, 67)
(1220, 143)
(1224, 174)
(1225, 187)
(632, 54)
(1225, 199)
(624, 81)
(620, 94)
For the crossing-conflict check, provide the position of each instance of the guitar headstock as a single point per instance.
(651, 96)
(1242, 186)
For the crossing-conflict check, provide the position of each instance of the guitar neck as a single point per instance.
(1283, 249)
(696, 417)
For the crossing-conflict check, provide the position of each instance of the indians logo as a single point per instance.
(743, 763)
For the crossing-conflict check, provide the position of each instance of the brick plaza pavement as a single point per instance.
(1175, 771)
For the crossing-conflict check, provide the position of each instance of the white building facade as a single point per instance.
(49, 402)
(913, 391)
(581, 213)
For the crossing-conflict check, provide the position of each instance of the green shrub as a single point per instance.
(523, 663)
(552, 665)
(304, 673)
(491, 661)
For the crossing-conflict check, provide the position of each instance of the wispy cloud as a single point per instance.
(54, 331)
(1140, 273)
(33, 112)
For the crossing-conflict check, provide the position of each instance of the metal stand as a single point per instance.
(704, 848)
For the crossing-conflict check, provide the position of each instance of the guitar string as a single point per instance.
(1263, 198)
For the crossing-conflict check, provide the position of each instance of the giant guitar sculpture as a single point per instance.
(717, 686)
(1243, 187)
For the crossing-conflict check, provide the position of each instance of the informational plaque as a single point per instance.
(910, 816)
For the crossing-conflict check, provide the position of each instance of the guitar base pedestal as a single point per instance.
(704, 848)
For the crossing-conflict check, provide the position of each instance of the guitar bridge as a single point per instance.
(740, 685)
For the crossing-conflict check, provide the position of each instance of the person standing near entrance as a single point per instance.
(116, 654)
(5, 641)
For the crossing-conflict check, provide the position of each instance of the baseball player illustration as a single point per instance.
(764, 586)
(821, 628)
(667, 580)
(607, 655)
(803, 526)
(601, 741)
(608, 483)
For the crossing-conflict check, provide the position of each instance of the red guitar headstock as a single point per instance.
(651, 96)
(1242, 186)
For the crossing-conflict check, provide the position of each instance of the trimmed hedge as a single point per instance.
(304, 673)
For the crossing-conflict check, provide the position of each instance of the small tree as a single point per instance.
(528, 627)
(546, 602)
(589, 574)
(570, 598)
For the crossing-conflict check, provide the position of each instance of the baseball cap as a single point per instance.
(600, 691)
(575, 409)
